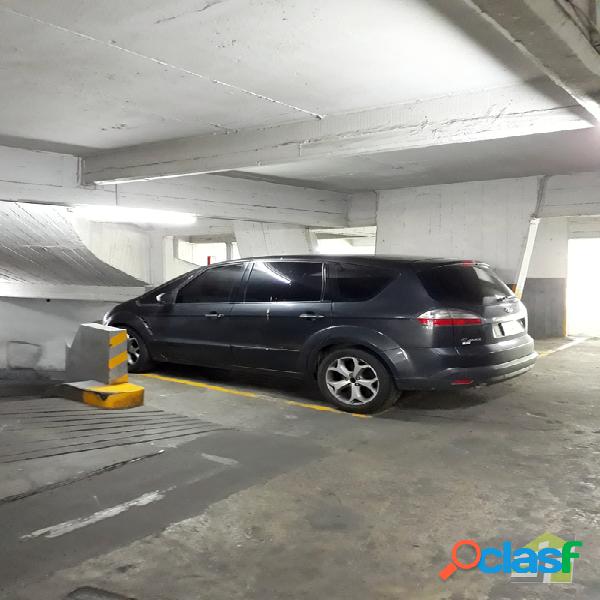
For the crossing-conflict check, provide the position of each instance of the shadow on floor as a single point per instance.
(293, 388)
(443, 400)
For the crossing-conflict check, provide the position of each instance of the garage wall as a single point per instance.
(488, 221)
(34, 332)
(362, 209)
(485, 220)
(584, 227)
(264, 239)
(124, 247)
(546, 286)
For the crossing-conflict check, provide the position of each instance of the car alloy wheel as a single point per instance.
(133, 350)
(352, 381)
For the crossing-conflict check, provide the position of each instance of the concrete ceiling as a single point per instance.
(82, 74)
(549, 153)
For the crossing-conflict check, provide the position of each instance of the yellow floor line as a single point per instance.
(325, 409)
(218, 388)
(563, 347)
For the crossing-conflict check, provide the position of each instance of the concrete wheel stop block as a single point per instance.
(97, 372)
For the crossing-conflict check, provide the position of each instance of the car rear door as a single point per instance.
(196, 329)
(475, 288)
(283, 305)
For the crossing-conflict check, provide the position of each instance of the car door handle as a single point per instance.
(310, 315)
(214, 315)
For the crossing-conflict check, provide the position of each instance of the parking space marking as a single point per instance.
(222, 460)
(545, 353)
(325, 408)
(206, 386)
(69, 526)
(218, 388)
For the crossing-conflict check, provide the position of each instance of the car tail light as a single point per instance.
(462, 382)
(448, 318)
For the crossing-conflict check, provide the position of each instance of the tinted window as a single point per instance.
(466, 284)
(214, 285)
(150, 297)
(352, 283)
(285, 281)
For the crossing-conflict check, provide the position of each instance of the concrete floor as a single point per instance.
(283, 500)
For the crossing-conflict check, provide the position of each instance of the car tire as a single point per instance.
(139, 359)
(364, 385)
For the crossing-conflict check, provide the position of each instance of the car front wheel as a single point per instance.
(139, 359)
(356, 381)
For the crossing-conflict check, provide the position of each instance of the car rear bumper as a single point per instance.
(471, 376)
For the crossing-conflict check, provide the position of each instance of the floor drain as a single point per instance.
(92, 593)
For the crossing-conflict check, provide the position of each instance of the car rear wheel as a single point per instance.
(356, 381)
(139, 359)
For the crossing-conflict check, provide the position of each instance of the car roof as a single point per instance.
(356, 258)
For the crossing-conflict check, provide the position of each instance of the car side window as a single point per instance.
(350, 282)
(150, 296)
(281, 281)
(213, 285)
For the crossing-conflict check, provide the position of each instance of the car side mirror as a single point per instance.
(166, 298)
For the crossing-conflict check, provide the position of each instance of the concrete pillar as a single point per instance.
(546, 285)
(486, 221)
(264, 239)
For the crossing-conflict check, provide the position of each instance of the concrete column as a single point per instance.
(546, 285)
(485, 221)
(263, 239)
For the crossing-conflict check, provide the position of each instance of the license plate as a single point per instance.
(511, 327)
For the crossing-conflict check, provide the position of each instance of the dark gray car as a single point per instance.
(365, 327)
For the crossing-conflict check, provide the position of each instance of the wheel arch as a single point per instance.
(367, 340)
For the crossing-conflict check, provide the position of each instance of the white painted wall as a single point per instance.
(572, 195)
(173, 266)
(584, 227)
(362, 209)
(263, 239)
(485, 220)
(49, 325)
(124, 247)
(549, 258)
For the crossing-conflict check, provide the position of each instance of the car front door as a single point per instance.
(282, 306)
(196, 328)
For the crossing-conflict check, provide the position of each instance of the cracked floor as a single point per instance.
(279, 500)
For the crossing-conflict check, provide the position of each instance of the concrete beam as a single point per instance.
(90, 293)
(491, 114)
(551, 33)
(266, 239)
(575, 195)
(223, 197)
(46, 178)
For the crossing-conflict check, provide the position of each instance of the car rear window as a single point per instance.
(463, 283)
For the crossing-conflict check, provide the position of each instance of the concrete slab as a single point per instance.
(53, 529)
(374, 516)
(49, 442)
